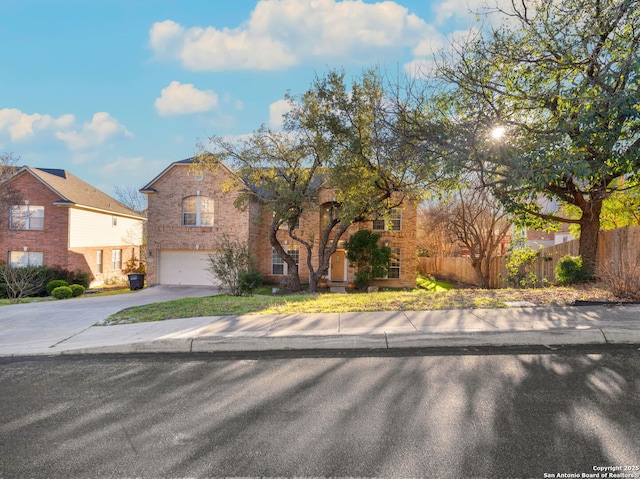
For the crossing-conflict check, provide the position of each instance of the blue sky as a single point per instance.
(115, 90)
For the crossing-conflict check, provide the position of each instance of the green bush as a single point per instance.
(82, 278)
(250, 281)
(3, 291)
(370, 259)
(77, 289)
(56, 283)
(71, 277)
(62, 292)
(571, 270)
(520, 267)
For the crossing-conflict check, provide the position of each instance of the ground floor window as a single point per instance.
(20, 259)
(278, 266)
(116, 259)
(99, 261)
(394, 264)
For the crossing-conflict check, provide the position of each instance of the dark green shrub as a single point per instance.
(62, 292)
(71, 277)
(250, 281)
(56, 283)
(571, 270)
(82, 277)
(369, 258)
(77, 289)
(3, 291)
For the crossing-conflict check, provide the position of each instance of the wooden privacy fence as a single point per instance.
(620, 246)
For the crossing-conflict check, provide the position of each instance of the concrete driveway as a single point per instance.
(36, 327)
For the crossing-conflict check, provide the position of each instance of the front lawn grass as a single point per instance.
(414, 300)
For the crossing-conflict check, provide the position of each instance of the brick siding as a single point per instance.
(53, 240)
(165, 229)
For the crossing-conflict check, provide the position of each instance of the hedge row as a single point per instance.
(48, 274)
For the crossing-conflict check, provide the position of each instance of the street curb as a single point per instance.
(364, 342)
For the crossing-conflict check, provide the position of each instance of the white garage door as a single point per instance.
(184, 267)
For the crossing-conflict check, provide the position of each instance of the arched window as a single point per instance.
(197, 211)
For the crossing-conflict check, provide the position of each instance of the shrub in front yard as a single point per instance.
(22, 282)
(232, 259)
(62, 292)
(77, 290)
(571, 270)
(250, 281)
(520, 267)
(56, 283)
(622, 278)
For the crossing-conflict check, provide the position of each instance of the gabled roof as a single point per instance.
(148, 188)
(75, 192)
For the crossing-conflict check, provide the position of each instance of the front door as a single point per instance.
(337, 266)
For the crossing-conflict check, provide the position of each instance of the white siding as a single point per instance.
(93, 229)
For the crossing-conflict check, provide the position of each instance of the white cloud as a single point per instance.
(123, 164)
(420, 68)
(21, 125)
(276, 112)
(283, 33)
(101, 128)
(184, 99)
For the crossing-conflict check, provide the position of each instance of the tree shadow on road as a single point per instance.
(429, 416)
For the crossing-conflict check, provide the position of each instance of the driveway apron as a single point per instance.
(36, 327)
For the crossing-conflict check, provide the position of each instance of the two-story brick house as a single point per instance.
(57, 219)
(189, 213)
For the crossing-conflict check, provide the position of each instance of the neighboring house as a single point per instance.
(541, 239)
(188, 215)
(56, 219)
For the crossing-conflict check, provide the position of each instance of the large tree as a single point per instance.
(561, 81)
(337, 137)
(7, 170)
(8, 194)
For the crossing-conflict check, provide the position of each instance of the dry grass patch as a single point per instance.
(415, 300)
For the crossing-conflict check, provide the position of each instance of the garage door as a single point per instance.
(184, 267)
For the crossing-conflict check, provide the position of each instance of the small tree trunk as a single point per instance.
(481, 275)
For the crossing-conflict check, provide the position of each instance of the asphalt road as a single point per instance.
(451, 416)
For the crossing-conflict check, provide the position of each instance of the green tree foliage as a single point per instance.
(370, 259)
(562, 81)
(520, 267)
(620, 209)
(342, 139)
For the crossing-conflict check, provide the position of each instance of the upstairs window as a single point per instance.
(393, 222)
(26, 217)
(197, 211)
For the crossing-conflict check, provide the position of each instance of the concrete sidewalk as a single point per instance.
(536, 326)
